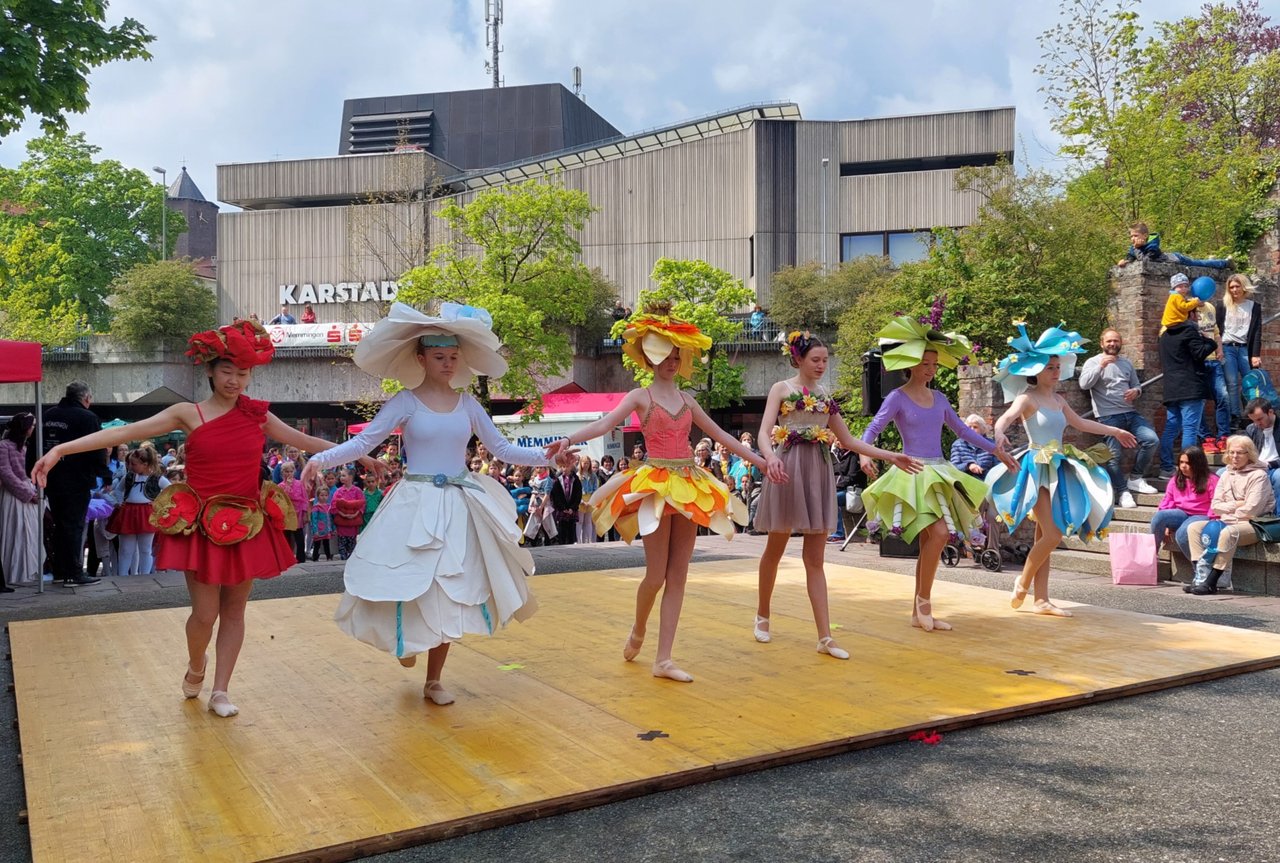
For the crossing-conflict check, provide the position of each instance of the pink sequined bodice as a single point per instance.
(667, 436)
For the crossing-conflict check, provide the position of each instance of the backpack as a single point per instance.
(1256, 384)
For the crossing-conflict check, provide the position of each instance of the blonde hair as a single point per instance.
(1246, 442)
(1245, 285)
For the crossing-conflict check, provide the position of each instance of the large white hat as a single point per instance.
(390, 350)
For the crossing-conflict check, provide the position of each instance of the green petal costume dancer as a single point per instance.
(940, 502)
(1067, 489)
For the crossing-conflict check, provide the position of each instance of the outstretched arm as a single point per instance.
(866, 450)
(179, 417)
(773, 404)
(632, 401)
(1127, 440)
(278, 429)
(719, 435)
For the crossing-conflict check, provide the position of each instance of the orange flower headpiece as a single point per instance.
(652, 335)
(244, 343)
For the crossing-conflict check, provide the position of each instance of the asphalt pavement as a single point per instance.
(1180, 776)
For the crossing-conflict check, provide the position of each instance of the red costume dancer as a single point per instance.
(225, 526)
(223, 456)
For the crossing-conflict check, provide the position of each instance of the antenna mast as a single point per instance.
(492, 24)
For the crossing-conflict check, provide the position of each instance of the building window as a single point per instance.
(927, 163)
(751, 256)
(900, 247)
(857, 245)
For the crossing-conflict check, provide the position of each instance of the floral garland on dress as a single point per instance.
(785, 437)
(807, 401)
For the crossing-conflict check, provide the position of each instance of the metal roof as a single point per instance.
(625, 145)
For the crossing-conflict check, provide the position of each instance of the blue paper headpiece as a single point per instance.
(1030, 358)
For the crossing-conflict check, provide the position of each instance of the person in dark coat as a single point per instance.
(71, 481)
(1187, 384)
(566, 498)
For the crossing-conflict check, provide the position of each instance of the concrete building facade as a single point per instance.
(750, 190)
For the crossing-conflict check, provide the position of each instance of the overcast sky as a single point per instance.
(255, 80)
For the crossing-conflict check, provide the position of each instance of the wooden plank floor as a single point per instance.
(336, 749)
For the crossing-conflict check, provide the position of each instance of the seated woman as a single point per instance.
(1186, 499)
(1243, 492)
(968, 457)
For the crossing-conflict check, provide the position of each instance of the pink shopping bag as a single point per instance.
(1133, 558)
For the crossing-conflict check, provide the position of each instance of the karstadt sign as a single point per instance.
(342, 292)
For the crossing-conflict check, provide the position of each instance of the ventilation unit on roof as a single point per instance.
(384, 133)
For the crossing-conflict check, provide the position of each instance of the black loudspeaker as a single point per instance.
(893, 546)
(876, 382)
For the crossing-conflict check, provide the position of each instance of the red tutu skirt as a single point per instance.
(223, 457)
(131, 518)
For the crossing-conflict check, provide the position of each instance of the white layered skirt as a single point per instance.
(436, 562)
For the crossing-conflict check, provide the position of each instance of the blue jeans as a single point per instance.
(1181, 416)
(1211, 263)
(1137, 425)
(840, 501)
(1174, 520)
(1221, 407)
(1235, 365)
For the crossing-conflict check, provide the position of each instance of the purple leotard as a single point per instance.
(921, 428)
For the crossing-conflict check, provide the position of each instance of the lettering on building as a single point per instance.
(342, 292)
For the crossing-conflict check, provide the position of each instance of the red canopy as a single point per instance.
(356, 428)
(19, 362)
(583, 403)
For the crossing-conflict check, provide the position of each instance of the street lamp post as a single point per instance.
(825, 161)
(164, 208)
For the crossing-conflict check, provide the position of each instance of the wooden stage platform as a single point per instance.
(336, 755)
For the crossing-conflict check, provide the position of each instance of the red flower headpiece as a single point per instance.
(244, 343)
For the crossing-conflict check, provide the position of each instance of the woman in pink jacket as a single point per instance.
(1186, 499)
(1243, 492)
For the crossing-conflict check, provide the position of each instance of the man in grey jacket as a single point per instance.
(1112, 384)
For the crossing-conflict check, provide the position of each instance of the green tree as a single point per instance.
(1124, 105)
(32, 279)
(513, 250)
(703, 295)
(47, 48)
(1032, 254)
(160, 300)
(806, 296)
(104, 216)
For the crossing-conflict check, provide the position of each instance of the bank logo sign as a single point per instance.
(342, 292)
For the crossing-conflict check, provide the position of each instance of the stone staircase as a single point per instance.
(1256, 568)
(1093, 558)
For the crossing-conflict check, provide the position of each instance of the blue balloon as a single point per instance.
(1203, 288)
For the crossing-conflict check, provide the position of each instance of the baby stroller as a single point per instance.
(989, 554)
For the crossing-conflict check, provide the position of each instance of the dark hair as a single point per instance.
(1258, 404)
(1199, 470)
(800, 344)
(20, 425)
(146, 456)
(213, 364)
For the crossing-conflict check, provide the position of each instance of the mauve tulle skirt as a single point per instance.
(807, 503)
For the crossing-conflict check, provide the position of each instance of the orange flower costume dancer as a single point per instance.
(224, 525)
(668, 483)
(667, 498)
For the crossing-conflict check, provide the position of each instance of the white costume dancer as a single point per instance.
(441, 556)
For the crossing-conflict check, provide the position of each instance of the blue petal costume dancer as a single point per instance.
(1066, 489)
